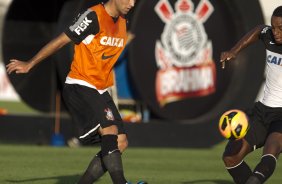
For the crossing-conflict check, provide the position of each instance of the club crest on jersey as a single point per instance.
(184, 53)
(109, 114)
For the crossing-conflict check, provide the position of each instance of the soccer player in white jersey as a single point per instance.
(266, 116)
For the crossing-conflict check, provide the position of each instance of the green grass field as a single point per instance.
(30, 164)
(27, 164)
(18, 108)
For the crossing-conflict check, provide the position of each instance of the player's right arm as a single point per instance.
(244, 42)
(73, 33)
(19, 66)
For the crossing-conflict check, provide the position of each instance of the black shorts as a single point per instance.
(263, 121)
(91, 110)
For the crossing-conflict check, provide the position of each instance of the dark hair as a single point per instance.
(277, 12)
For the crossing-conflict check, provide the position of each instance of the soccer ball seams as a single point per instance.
(233, 124)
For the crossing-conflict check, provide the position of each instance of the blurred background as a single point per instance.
(169, 81)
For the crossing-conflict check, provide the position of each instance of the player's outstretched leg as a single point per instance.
(233, 156)
(111, 157)
(96, 168)
(263, 170)
(267, 164)
(94, 171)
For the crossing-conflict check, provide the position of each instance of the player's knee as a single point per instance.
(273, 149)
(235, 151)
(273, 145)
(231, 161)
(122, 145)
(112, 130)
(231, 156)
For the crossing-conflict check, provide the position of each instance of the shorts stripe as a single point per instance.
(89, 132)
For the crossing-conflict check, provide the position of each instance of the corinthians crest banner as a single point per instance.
(174, 57)
(184, 52)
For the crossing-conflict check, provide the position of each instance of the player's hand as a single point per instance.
(130, 37)
(17, 66)
(226, 56)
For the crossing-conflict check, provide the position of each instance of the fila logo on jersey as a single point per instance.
(82, 26)
(112, 41)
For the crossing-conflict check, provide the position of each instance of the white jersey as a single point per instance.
(272, 96)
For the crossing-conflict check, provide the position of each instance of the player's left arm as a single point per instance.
(244, 42)
(19, 66)
(84, 25)
(130, 37)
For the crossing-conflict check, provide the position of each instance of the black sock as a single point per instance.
(95, 170)
(240, 173)
(265, 168)
(114, 164)
(253, 180)
(112, 158)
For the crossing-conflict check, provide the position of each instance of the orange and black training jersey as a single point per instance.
(99, 40)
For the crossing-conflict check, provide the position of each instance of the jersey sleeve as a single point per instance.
(84, 24)
(265, 34)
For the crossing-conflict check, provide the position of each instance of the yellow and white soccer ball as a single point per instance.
(233, 124)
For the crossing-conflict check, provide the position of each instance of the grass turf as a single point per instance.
(18, 108)
(27, 164)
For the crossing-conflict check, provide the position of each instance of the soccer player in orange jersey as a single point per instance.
(99, 35)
